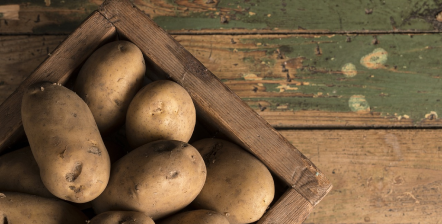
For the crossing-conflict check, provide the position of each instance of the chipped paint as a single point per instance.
(432, 115)
(284, 87)
(283, 106)
(10, 12)
(251, 77)
(349, 70)
(375, 60)
(252, 13)
(358, 103)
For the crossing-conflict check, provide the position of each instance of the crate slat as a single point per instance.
(290, 208)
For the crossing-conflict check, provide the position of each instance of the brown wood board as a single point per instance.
(378, 176)
(290, 208)
(57, 68)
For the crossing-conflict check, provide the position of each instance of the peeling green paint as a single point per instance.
(323, 15)
(358, 103)
(202, 22)
(406, 85)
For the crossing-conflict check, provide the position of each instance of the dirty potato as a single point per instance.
(238, 184)
(65, 141)
(158, 178)
(25, 208)
(196, 217)
(160, 110)
(121, 217)
(108, 81)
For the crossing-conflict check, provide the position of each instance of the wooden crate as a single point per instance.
(215, 103)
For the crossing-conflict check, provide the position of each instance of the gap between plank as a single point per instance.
(263, 32)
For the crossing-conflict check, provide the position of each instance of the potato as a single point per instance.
(19, 172)
(161, 110)
(25, 208)
(158, 178)
(108, 81)
(65, 141)
(238, 184)
(196, 217)
(119, 217)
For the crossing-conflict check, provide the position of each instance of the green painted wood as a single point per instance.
(402, 88)
(178, 16)
(397, 77)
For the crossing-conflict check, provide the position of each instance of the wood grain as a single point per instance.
(319, 92)
(57, 68)
(290, 208)
(249, 16)
(378, 176)
(216, 102)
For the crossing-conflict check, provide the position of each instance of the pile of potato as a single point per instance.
(163, 179)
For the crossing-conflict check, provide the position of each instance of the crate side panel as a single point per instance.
(291, 208)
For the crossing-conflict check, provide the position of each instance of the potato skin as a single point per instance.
(108, 81)
(65, 141)
(19, 172)
(158, 178)
(196, 217)
(160, 110)
(118, 217)
(237, 184)
(26, 208)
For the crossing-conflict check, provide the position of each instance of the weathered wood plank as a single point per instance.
(49, 17)
(403, 91)
(388, 80)
(378, 176)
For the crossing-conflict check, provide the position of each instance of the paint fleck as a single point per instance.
(439, 17)
(268, 15)
(432, 115)
(251, 77)
(284, 87)
(375, 59)
(252, 13)
(283, 106)
(48, 2)
(358, 103)
(349, 70)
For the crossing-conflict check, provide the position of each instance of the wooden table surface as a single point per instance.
(354, 85)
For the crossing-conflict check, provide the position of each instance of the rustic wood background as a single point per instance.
(354, 85)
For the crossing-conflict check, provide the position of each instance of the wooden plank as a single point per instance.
(57, 68)
(378, 176)
(382, 81)
(291, 204)
(216, 103)
(319, 93)
(21, 55)
(202, 16)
